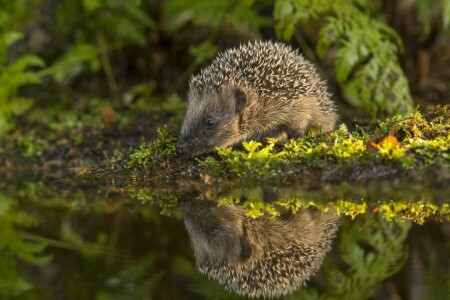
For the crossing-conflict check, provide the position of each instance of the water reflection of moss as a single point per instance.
(396, 206)
(167, 203)
(13, 245)
(392, 200)
(418, 211)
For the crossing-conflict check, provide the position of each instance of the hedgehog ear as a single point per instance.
(241, 99)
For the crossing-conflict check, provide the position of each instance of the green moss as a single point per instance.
(150, 153)
(31, 144)
(254, 161)
(415, 142)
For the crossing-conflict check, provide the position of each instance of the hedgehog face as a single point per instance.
(212, 120)
(217, 234)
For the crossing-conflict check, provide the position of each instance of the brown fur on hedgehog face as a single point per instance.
(213, 119)
(216, 232)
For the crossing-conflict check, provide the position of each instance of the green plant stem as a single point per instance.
(193, 66)
(106, 63)
(74, 247)
(57, 67)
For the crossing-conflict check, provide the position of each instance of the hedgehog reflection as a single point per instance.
(265, 257)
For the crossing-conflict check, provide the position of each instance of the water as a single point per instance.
(63, 242)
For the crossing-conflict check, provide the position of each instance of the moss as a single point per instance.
(414, 142)
(254, 161)
(389, 210)
(31, 144)
(149, 153)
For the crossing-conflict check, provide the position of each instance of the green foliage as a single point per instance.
(213, 14)
(436, 277)
(137, 281)
(14, 72)
(14, 245)
(203, 52)
(75, 241)
(366, 64)
(100, 28)
(74, 61)
(150, 153)
(431, 11)
(175, 105)
(141, 100)
(114, 19)
(210, 19)
(211, 166)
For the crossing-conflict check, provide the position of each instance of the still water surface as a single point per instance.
(60, 243)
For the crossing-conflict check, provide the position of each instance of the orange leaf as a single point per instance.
(108, 114)
(373, 145)
(391, 140)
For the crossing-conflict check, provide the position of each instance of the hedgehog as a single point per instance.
(265, 257)
(259, 90)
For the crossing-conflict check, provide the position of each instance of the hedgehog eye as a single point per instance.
(211, 123)
(214, 229)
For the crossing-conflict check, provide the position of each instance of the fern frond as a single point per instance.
(366, 65)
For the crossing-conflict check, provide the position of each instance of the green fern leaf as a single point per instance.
(366, 65)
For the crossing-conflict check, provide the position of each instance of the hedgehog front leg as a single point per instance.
(297, 128)
(281, 137)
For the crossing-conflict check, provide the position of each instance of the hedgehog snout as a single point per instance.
(187, 146)
(192, 144)
(181, 148)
